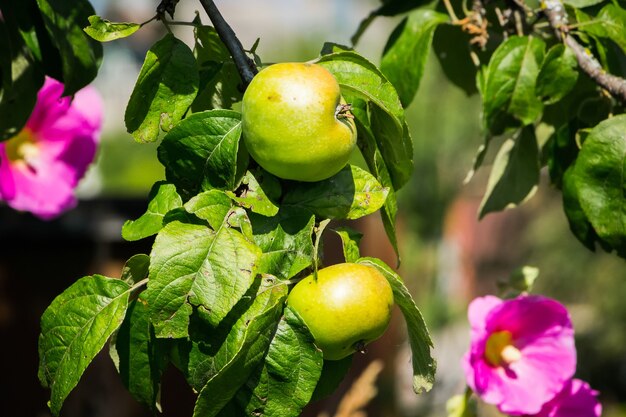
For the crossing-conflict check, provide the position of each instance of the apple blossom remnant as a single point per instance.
(577, 399)
(40, 167)
(522, 352)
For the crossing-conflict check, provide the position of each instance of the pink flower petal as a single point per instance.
(7, 184)
(577, 399)
(50, 105)
(530, 317)
(479, 309)
(540, 328)
(46, 193)
(63, 134)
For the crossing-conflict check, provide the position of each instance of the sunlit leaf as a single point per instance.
(349, 194)
(74, 328)
(424, 365)
(514, 175)
(163, 198)
(194, 266)
(404, 58)
(104, 30)
(509, 83)
(166, 87)
(200, 153)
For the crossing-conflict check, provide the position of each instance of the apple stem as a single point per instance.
(246, 67)
(343, 111)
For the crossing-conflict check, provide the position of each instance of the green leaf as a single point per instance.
(219, 78)
(514, 175)
(558, 74)
(252, 193)
(293, 365)
(360, 79)
(212, 206)
(192, 265)
(80, 55)
(333, 372)
(210, 349)
(287, 379)
(141, 358)
(219, 86)
(582, 3)
(20, 78)
(350, 240)
(200, 153)
(238, 217)
(424, 365)
(286, 241)
(104, 30)
(609, 23)
(163, 198)
(452, 48)
(377, 166)
(561, 152)
(350, 194)
(74, 328)
(404, 58)
(237, 358)
(509, 83)
(599, 181)
(166, 87)
(136, 268)
(208, 45)
(578, 222)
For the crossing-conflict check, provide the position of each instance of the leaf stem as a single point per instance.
(155, 17)
(450, 11)
(138, 284)
(246, 67)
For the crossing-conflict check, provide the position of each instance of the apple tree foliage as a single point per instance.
(231, 239)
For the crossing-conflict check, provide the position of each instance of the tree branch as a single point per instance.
(245, 66)
(557, 17)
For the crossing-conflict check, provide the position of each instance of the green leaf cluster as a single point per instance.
(229, 241)
(540, 107)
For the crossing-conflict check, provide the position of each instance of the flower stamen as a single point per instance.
(499, 349)
(22, 149)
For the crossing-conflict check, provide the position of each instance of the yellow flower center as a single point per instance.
(22, 147)
(499, 349)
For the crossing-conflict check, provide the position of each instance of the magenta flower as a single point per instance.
(521, 354)
(577, 399)
(40, 167)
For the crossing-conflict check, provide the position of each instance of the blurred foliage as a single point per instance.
(127, 169)
(445, 127)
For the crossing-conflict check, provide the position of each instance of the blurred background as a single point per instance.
(448, 257)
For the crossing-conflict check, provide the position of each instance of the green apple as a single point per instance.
(348, 306)
(295, 124)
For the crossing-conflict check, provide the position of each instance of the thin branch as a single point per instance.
(557, 16)
(450, 11)
(245, 66)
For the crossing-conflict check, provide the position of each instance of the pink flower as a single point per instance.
(521, 354)
(41, 165)
(577, 399)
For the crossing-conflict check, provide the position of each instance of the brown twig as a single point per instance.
(557, 16)
(246, 67)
